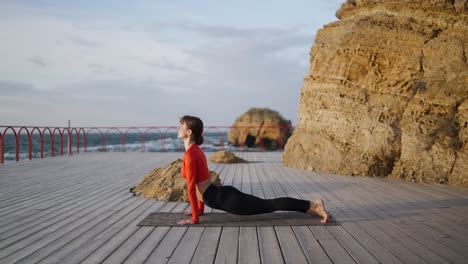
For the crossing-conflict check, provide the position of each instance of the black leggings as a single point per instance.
(231, 200)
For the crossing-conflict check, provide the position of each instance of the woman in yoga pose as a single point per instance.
(227, 198)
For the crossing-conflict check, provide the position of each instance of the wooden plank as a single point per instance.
(46, 245)
(270, 174)
(372, 245)
(393, 222)
(130, 245)
(410, 199)
(425, 236)
(144, 250)
(187, 246)
(292, 251)
(113, 242)
(387, 208)
(312, 249)
(332, 247)
(336, 252)
(228, 245)
(249, 251)
(354, 248)
(322, 234)
(452, 252)
(371, 241)
(42, 234)
(92, 239)
(246, 184)
(248, 245)
(53, 204)
(84, 238)
(266, 185)
(65, 193)
(163, 252)
(32, 222)
(255, 181)
(207, 247)
(270, 251)
(237, 177)
(281, 177)
(40, 197)
(391, 243)
(227, 178)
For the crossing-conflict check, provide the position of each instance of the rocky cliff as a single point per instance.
(386, 93)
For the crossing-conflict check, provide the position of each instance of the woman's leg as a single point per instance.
(231, 200)
(237, 202)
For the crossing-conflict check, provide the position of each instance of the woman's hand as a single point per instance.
(186, 222)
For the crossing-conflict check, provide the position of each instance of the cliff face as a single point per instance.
(386, 93)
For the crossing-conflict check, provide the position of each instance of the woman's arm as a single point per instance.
(190, 173)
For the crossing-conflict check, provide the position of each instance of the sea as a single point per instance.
(113, 143)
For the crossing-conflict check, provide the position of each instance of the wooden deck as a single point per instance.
(78, 209)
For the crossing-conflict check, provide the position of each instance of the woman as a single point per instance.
(226, 198)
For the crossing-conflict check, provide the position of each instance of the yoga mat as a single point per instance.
(225, 219)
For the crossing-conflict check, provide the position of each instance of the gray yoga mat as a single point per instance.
(225, 219)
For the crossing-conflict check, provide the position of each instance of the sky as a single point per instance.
(149, 62)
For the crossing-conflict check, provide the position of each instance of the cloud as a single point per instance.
(37, 60)
(97, 70)
(8, 88)
(84, 42)
(139, 72)
(79, 52)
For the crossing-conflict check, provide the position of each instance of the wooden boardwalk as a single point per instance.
(78, 209)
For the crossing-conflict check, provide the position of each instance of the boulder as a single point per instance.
(386, 93)
(260, 127)
(225, 156)
(166, 184)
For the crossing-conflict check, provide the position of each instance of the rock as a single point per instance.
(225, 157)
(166, 184)
(260, 127)
(387, 93)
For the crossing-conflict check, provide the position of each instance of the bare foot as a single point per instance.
(318, 207)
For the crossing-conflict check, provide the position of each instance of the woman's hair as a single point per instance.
(196, 125)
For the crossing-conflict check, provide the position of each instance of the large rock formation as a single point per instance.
(387, 93)
(166, 184)
(260, 127)
(225, 156)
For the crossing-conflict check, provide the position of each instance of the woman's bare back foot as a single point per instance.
(318, 208)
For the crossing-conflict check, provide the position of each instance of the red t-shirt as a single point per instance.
(194, 170)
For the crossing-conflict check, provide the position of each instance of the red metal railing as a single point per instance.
(84, 132)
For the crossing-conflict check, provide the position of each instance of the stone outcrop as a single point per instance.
(260, 127)
(166, 184)
(386, 93)
(225, 156)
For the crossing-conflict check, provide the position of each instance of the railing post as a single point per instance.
(2, 153)
(222, 139)
(69, 139)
